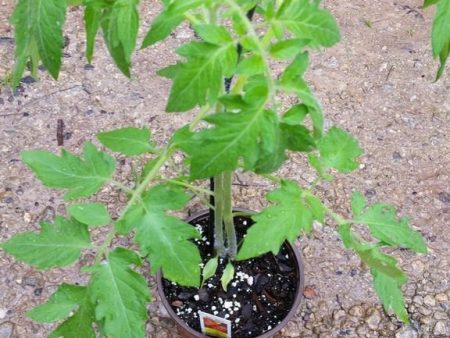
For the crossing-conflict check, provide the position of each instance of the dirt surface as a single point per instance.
(377, 84)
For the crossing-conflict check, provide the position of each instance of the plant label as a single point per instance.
(214, 326)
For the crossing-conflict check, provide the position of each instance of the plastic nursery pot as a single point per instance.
(294, 254)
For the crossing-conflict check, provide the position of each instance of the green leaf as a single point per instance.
(200, 80)
(295, 115)
(60, 305)
(168, 20)
(210, 269)
(440, 37)
(120, 24)
(92, 24)
(384, 225)
(284, 220)
(358, 203)
(38, 33)
(121, 295)
(443, 56)
(234, 136)
(316, 206)
(298, 138)
(58, 244)
(82, 177)
(306, 21)
(128, 141)
(213, 34)
(429, 3)
(166, 239)
(251, 65)
(93, 214)
(227, 276)
(390, 293)
(296, 69)
(339, 150)
(80, 324)
(287, 49)
(375, 259)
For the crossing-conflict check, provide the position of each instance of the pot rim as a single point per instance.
(298, 298)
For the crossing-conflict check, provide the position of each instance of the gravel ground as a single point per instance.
(377, 83)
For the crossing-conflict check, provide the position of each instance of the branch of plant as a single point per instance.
(135, 196)
(191, 187)
(122, 187)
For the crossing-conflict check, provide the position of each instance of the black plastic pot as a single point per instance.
(186, 331)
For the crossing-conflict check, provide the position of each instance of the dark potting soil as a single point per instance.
(258, 298)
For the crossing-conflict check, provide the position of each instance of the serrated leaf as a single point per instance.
(429, 3)
(58, 244)
(375, 259)
(80, 324)
(358, 203)
(199, 80)
(38, 33)
(296, 69)
(93, 214)
(128, 141)
(210, 269)
(287, 49)
(121, 295)
(390, 293)
(234, 136)
(227, 276)
(285, 219)
(384, 225)
(60, 305)
(306, 21)
(316, 206)
(166, 239)
(339, 150)
(168, 20)
(298, 138)
(120, 24)
(81, 176)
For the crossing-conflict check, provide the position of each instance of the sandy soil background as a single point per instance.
(377, 84)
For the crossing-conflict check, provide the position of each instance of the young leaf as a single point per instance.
(168, 20)
(227, 276)
(390, 293)
(199, 80)
(358, 203)
(306, 21)
(213, 34)
(298, 138)
(339, 150)
(295, 115)
(166, 239)
(128, 141)
(38, 32)
(287, 49)
(210, 269)
(83, 177)
(92, 17)
(58, 244)
(93, 214)
(316, 206)
(251, 65)
(282, 221)
(441, 34)
(121, 295)
(384, 225)
(60, 305)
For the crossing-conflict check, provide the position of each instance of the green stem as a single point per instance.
(228, 214)
(219, 244)
(191, 187)
(122, 187)
(203, 111)
(135, 196)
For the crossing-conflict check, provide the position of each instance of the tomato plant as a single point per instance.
(248, 129)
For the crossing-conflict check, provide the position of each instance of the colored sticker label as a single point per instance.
(214, 326)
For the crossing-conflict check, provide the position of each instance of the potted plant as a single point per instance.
(246, 128)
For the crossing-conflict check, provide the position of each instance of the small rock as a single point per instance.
(3, 313)
(373, 318)
(6, 330)
(406, 332)
(33, 280)
(444, 197)
(309, 292)
(291, 330)
(441, 329)
(356, 311)
(396, 156)
(440, 315)
(338, 314)
(203, 294)
(362, 330)
(441, 298)
(425, 311)
(417, 267)
(177, 303)
(88, 67)
(430, 301)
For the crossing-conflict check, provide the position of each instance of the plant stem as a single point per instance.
(204, 110)
(219, 244)
(122, 187)
(135, 196)
(191, 187)
(228, 214)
